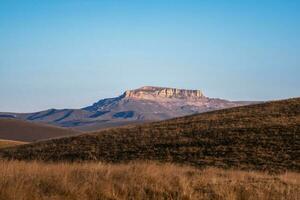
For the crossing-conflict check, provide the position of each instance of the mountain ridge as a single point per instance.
(148, 103)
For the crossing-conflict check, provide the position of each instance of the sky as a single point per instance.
(70, 53)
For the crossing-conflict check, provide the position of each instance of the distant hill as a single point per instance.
(261, 137)
(133, 106)
(13, 129)
(10, 143)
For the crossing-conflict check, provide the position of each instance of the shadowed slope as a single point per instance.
(12, 129)
(263, 137)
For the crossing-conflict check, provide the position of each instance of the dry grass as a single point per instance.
(35, 180)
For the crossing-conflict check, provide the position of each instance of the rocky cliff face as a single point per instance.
(149, 92)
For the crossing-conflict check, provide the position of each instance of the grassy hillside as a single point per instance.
(9, 143)
(40, 181)
(260, 137)
(12, 129)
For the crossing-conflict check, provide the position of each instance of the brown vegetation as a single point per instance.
(259, 137)
(40, 181)
(13, 129)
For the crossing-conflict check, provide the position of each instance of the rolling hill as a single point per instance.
(13, 129)
(10, 143)
(260, 137)
(133, 106)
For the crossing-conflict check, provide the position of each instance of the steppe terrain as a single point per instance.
(249, 152)
(256, 137)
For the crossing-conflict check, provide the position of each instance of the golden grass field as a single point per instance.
(20, 180)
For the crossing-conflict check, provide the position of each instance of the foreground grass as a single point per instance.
(34, 180)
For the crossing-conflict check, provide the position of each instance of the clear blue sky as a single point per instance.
(58, 54)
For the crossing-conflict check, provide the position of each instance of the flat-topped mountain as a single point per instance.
(133, 106)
